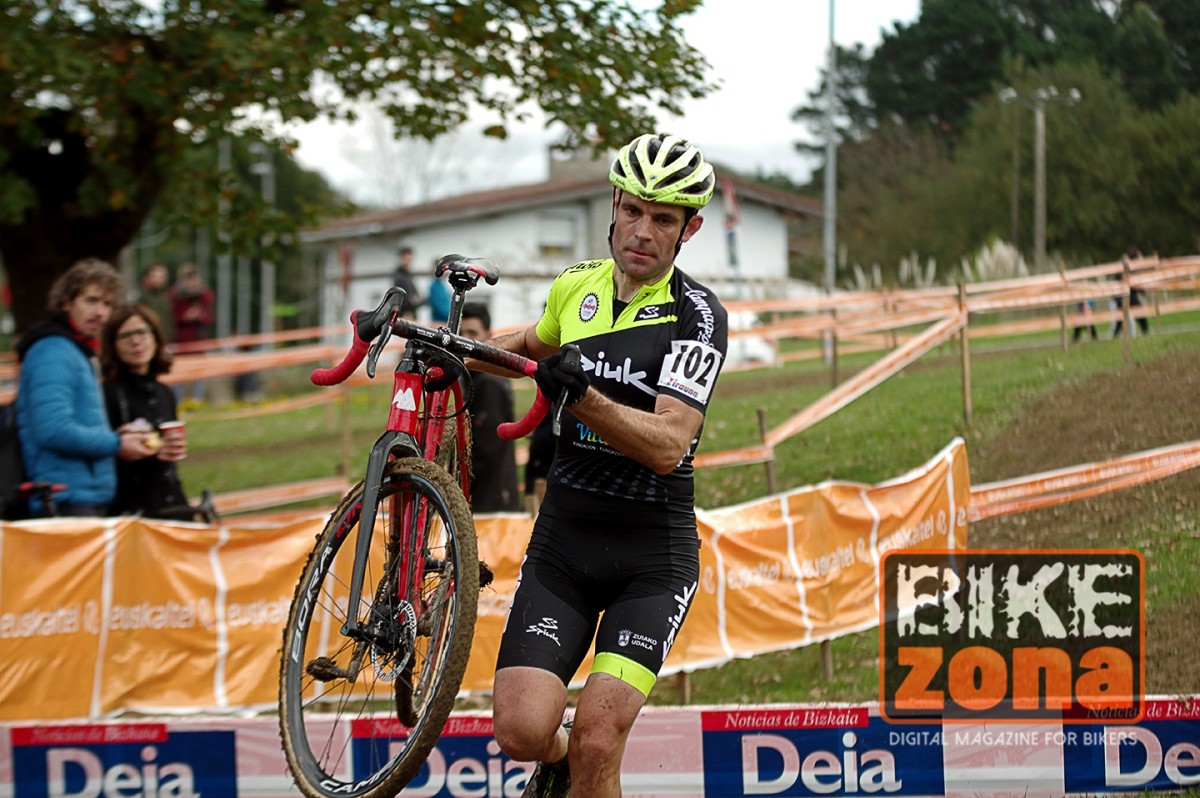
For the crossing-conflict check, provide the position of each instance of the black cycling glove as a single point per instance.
(555, 374)
(452, 369)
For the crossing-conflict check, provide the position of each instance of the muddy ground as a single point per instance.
(1138, 407)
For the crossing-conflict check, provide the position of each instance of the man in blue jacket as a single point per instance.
(64, 430)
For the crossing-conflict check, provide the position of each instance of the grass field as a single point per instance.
(894, 428)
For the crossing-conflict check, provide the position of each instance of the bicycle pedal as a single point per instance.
(324, 669)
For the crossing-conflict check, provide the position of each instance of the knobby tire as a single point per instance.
(342, 735)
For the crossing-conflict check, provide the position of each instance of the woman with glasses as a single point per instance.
(133, 355)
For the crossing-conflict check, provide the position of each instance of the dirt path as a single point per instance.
(1135, 408)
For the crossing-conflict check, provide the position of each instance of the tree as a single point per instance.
(1168, 188)
(854, 116)
(1147, 60)
(1091, 167)
(102, 100)
(888, 189)
(931, 72)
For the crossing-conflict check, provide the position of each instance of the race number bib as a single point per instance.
(690, 368)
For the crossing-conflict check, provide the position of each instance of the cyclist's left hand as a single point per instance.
(554, 376)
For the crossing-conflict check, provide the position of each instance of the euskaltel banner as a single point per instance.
(100, 617)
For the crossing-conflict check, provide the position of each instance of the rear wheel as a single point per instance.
(358, 717)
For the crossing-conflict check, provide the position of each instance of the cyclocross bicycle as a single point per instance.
(379, 632)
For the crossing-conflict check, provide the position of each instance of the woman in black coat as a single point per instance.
(133, 354)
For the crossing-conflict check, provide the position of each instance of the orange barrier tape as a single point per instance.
(282, 406)
(260, 339)
(1080, 482)
(1075, 476)
(238, 501)
(729, 457)
(866, 379)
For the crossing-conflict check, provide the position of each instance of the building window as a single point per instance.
(557, 237)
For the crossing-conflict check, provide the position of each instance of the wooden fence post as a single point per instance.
(1062, 309)
(683, 687)
(833, 350)
(966, 355)
(827, 660)
(1126, 328)
(769, 464)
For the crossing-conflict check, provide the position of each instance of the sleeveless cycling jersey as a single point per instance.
(671, 338)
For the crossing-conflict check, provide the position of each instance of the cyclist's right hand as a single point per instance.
(559, 377)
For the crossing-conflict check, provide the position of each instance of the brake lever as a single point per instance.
(571, 356)
(376, 349)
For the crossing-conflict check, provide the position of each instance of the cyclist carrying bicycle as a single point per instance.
(614, 554)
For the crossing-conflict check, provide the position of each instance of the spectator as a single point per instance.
(402, 277)
(439, 301)
(65, 435)
(1135, 298)
(133, 355)
(191, 306)
(154, 294)
(1085, 310)
(494, 466)
(537, 468)
(192, 311)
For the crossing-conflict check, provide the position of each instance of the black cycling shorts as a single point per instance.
(624, 572)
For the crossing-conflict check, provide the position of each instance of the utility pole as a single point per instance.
(265, 168)
(1037, 103)
(224, 245)
(1039, 182)
(830, 240)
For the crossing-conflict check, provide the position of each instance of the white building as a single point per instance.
(535, 231)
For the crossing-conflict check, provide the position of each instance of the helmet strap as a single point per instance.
(612, 225)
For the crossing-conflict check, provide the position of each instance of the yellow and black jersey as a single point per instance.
(671, 338)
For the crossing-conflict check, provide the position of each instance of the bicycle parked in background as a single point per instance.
(379, 632)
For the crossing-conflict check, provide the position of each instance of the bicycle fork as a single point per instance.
(403, 424)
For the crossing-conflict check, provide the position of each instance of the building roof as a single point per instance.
(523, 197)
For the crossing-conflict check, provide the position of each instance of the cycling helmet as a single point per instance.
(664, 168)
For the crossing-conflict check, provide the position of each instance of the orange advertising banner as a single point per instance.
(107, 616)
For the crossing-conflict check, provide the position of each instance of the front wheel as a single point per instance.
(358, 716)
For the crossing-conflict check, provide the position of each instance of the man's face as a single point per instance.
(156, 277)
(89, 310)
(474, 329)
(645, 234)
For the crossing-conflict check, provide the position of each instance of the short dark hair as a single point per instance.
(478, 310)
(75, 280)
(404, 250)
(111, 366)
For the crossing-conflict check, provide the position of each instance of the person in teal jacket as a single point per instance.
(65, 435)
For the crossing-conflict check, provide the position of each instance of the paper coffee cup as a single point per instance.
(171, 426)
(171, 431)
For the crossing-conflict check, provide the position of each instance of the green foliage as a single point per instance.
(854, 116)
(945, 169)
(1169, 180)
(1146, 58)
(102, 102)
(930, 72)
(888, 198)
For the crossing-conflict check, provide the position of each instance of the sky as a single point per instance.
(767, 55)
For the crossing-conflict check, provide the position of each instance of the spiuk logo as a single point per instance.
(546, 627)
(1008, 635)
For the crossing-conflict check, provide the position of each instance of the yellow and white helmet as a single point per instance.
(664, 168)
